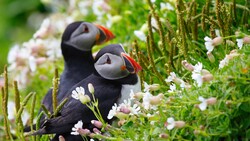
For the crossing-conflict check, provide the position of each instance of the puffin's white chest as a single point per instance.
(126, 89)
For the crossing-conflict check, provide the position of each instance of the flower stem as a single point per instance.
(5, 96)
(38, 124)
(46, 111)
(19, 124)
(55, 89)
(32, 114)
(60, 107)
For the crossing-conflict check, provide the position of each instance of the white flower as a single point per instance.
(152, 87)
(76, 128)
(198, 67)
(196, 74)
(198, 78)
(239, 43)
(53, 49)
(146, 87)
(183, 85)
(228, 57)
(100, 7)
(134, 110)
(201, 75)
(166, 6)
(13, 53)
(146, 101)
(171, 123)
(79, 94)
(44, 29)
(171, 77)
(76, 93)
(154, 23)
(140, 35)
(127, 107)
(223, 62)
(32, 63)
(113, 111)
(60, 22)
(172, 88)
(203, 104)
(209, 44)
(91, 88)
(18, 58)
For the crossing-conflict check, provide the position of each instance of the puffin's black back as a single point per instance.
(107, 92)
(78, 65)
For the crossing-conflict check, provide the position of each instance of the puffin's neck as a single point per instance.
(75, 59)
(131, 79)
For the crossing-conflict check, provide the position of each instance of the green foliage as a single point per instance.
(14, 26)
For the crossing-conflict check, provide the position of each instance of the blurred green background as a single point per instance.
(18, 21)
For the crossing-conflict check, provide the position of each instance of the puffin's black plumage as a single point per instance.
(107, 91)
(76, 44)
(77, 56)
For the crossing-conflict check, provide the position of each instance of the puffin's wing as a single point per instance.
(70, 115)
(106, 93)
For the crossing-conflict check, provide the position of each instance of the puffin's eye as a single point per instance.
(108, 61)
(85, 29)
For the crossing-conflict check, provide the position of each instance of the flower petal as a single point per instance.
(170, 120)
(201, 99)
(170, 126)
(78, 89)
(207, 39)
(75, 95)
(239, 43)
(203, 106)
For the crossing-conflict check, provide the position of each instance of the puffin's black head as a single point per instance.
(84, 35)
(113, 63)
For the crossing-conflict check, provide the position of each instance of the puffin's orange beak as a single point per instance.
(109, 35)
(131, 65)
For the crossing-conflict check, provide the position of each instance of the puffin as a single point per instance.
(115, 72)
(76, 45)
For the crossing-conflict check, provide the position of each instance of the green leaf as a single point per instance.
(245, 107)
(127, 125)
(248, 134)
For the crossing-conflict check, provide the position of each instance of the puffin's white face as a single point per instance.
(84, 36)
(111, 66)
